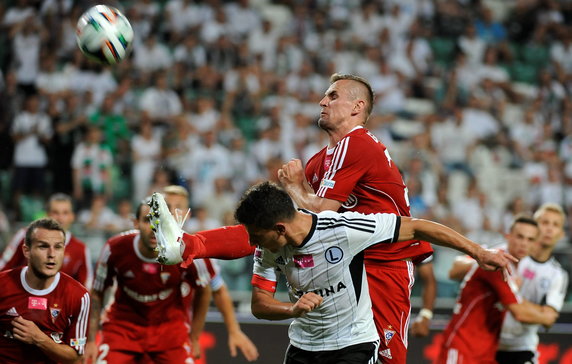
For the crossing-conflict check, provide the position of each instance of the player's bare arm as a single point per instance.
(265, 306)
(27, 331)
(488, 259)
(291, 176)
(461, 266)
(201, 302)
(91, 351)
(420, 327)
(531, 313)
(237, 339)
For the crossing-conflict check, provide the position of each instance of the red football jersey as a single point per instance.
(77, 260)
(478, 314)
(360, 173)
(61, 311)
(147, 293)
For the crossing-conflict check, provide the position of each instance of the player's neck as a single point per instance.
(36, 282)
(542, 253)
(336, 135)
(299, 228)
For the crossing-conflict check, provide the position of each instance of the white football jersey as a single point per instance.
(329, 263)
(542, 283)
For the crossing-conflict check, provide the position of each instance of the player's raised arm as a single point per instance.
(488, 259)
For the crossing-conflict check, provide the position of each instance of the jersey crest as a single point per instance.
(334, 254)
(388, 334)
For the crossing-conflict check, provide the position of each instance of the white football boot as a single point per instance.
(168, 231)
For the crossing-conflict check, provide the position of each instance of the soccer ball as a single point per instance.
(104, 34)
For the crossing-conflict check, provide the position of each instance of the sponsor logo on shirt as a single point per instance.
(12, 312)
(149, 297)
(55, 312)
(304, 261)
(351, 202)
(57, 337)
(150, 268)
(327, 183)
(528, 274)
(386, 353)
(325, 292)
(280, 260)
(334, 254)
(78, 342)
(315, 178)
(388, 335)
(165, 277)
(37, 303)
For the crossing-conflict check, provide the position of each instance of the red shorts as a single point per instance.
(124, 342)
(390, 285)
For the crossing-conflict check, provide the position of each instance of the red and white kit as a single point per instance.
(61, 311)
(77, 260)
(472, 335)
(149, 312)
(360, 173)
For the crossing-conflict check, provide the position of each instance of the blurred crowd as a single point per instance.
(473, 100)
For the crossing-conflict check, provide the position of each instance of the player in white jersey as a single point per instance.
(320, 255)
(543, 282)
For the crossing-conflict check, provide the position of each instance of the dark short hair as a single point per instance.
(263, 205)
(142, 203)
(43, 223)
(370, 94)
(59, 197)
(523, 219)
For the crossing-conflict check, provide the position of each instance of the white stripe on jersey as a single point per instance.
(411, 274)
(470, 307)
(81, 324)
(101, 272)
(452, 356)
(337, 162)
(388, 196)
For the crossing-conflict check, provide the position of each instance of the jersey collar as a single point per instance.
(38, 292)
(138, 253)
(312, 229)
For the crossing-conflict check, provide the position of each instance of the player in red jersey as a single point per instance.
(355, 172)
(147, 319)
(43, 312)
(177, 198)
(77, 260)
(472, 335)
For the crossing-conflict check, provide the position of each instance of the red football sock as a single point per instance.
(229, 242)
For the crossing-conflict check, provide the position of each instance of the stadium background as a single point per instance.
(473, 102)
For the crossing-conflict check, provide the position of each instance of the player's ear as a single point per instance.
(358, 107)
(26, 250)
(280, 228)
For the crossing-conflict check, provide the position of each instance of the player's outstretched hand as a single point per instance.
(306, 303)
(292, 173)
(420, 327)
(239, 340)
(493, 259)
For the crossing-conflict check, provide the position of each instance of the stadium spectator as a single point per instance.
(145, 154)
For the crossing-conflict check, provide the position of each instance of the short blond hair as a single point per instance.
(550, 207)
(176, 190)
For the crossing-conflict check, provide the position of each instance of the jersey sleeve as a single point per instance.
(265, 272)
(76, 335)
(366, 230)
(557, 292)
(347, 167)
(104, 272)
(201, 272)
(507, 291)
